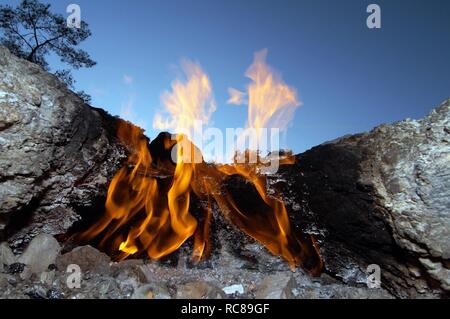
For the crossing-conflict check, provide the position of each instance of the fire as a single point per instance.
(148, 202)
(271, 102)
(188, 103)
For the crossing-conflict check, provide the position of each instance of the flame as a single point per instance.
(236, 97)
(190, 102)
(271, 102)
(148, 202)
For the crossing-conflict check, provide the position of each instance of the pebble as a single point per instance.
(239, 289)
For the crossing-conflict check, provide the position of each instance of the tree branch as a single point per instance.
(21, 36)
(33, 52)
(33, 23)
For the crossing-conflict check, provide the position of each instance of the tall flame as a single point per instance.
(190, 102)
(148, 201)
(271, 102)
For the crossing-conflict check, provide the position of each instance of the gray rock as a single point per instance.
(199, 290)
(87, 258)
(383, 197)
(6, 256)
(131, 268)
(234, 289)
(276, 286)
(152, 291)
(47, 277)
(40, 253)
(57, 154)
(342, 292)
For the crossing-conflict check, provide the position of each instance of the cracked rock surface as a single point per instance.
(381, 197)
(57, 154)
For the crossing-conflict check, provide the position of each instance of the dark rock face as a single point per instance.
(385, 197)
(57, 154)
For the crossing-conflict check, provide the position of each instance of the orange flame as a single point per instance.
(149, 213)
(271, 102)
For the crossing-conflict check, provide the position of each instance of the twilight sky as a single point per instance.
(349, 78)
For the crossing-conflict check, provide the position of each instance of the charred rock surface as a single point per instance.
(57, 154)
(384, 198)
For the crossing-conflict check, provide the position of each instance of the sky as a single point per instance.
(349, 78)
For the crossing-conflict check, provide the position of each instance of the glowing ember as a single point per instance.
(148, 201)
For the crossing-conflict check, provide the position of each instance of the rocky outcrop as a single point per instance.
(381, 197)
(57, 154)
(384, 196)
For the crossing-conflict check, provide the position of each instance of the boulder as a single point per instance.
(383, 197)
(57, 154)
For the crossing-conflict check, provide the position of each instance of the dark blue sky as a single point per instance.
(349, 78)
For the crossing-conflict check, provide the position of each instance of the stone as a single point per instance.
(87, 258)
(47, 277)
(15, 268)
(342, 292)
(54, 294)
(40, 253)
(233, 289)
(26, 274)
(276, 286)
(152, 291)
(199, 290)
(380, 197)
(57, 153)
(6, 256)
(129, 268)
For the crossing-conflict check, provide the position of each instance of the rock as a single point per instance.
(26, 274)
(152, 291)
(57, 154)
(15, 268)
(6, 256)
(47, 277)
(88, 258)
(4, 281)
(199, 290)
(36, 292)
(40, 253)
(342, 292)
(130, 268)
(383, 197)
(277, 286)
(233, 289)
(54, 294)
